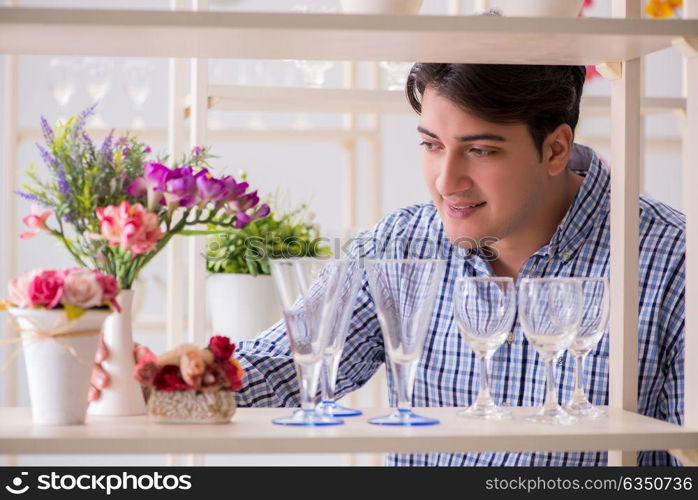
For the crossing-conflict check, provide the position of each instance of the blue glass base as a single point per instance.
(336, 410)
(308, 418)
(403, 417)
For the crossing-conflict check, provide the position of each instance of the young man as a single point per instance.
(512, 195)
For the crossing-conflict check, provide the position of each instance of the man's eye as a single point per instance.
(429, 146)
(481, 153)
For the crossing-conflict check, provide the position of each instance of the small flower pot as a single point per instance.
(191, 406)
(59, 367)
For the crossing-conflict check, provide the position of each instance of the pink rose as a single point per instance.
(146, 369)
(36, 221)
(110, 288)
(81, 288)
(129, 227)
(19, 289)
(192, 366)
(46, 288)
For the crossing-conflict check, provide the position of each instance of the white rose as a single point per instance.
(19, 289)
(82, 289)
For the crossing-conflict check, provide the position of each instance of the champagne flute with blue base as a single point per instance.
(338, 326)
(307, 290)
(404, 291)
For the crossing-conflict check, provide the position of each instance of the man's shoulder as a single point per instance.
(661, 215)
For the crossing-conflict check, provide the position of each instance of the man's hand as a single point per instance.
(100, 378)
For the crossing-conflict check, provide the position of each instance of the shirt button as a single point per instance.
(504, 403)
(566, 255)
(510, 338)
(560, 361)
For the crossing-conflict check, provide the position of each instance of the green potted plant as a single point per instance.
(240, 293)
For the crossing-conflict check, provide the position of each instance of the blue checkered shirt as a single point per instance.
(446, 374)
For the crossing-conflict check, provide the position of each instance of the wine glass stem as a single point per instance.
(327, 385)
(579, 389)
(484, 397)
(308, 376)
(404, 387)
(550, 388)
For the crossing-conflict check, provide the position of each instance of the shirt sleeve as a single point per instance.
(270, 374)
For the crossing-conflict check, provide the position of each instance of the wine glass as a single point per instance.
(308, 290)
(550, 310)
(484, 309)
(404, 291)
(396, 73)
(98, 74)
(61, 81)
(594, 322)
(314, 71)
(138, 84)
(337, 325)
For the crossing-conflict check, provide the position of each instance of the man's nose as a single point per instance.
(453, 175)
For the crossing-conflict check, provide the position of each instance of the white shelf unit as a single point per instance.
(618, 42)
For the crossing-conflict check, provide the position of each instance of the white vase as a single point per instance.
(394, 7)
(241, 306)
(540, 8)
(59, 368)
(123, 395)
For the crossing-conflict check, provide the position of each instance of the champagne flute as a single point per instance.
(337, 325)
(98, 75)
(591, 329)
(308, 291)
(404, 291)
(484, 310)
(550, 310)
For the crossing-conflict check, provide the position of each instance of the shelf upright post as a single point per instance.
(197, 244)
(175, 318)
(690, 208)
(376, 151)
(9, 214)
(625, 245)
(350, 148)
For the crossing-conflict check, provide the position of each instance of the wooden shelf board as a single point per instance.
(251, 431)
(477, 39)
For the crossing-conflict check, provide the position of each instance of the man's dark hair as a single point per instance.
(542, 97)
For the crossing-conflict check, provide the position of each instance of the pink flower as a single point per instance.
(46, 288)
(193, 366)
(36, 221)
(19, 289)
(146, 369)
(82, 288)
(129, 227)
(110, 288)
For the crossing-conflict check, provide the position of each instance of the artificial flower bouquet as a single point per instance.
(192, 385)
(59, 315)
(116, 207)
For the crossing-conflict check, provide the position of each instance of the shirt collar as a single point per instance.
(592, 199)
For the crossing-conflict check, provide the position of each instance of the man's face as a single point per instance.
(468, 161)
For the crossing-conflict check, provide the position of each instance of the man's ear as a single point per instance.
(557, 149)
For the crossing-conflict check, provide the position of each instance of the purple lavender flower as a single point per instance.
(63, 185)
(106, 148)
(88, 141)
(82, 118)
(47, 158)
(28, 196)
(47, 131)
